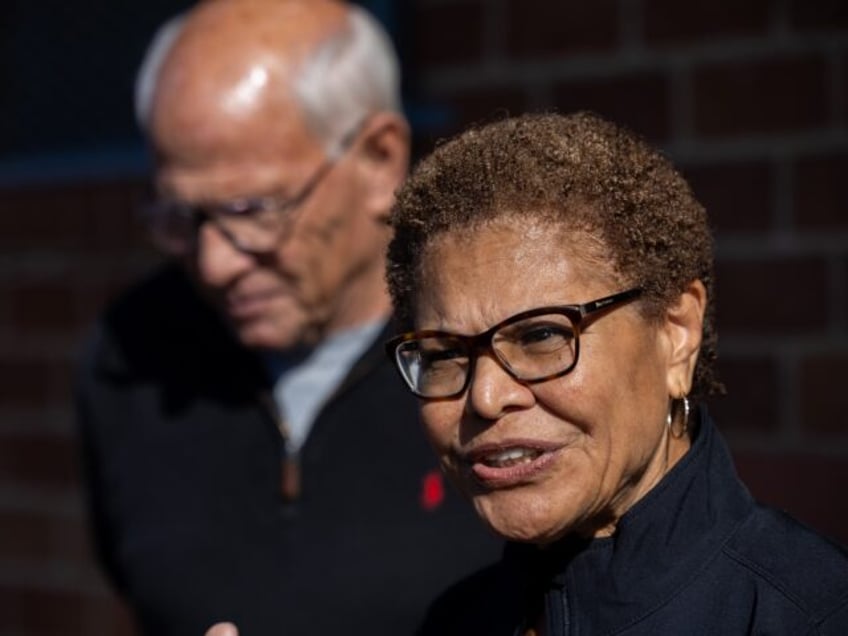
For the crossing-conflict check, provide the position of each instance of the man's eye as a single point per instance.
(243, 207)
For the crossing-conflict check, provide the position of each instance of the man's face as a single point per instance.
(307, 284)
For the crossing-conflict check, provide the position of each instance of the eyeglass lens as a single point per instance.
(255, 228)
(530, 349)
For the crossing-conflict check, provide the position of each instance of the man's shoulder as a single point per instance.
(154, 323)
(805, 568)
(161, 296)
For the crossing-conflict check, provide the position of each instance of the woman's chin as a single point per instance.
(524, 523)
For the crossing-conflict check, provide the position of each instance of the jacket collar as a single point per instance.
(659, 545)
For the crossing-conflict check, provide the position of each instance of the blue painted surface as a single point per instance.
(67, 115)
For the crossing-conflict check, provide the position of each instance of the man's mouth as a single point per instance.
(248, 306)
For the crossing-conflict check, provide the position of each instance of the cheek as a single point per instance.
(323, 252)
(441, 423)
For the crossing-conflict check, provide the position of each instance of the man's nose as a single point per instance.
(219, 262)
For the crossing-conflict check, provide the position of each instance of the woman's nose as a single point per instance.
(493, 392)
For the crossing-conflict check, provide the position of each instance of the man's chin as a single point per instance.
(261, 335)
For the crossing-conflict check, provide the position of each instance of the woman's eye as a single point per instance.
(544, 336)
(436, 356)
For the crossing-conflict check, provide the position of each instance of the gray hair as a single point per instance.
(349, 76)
(148, 72)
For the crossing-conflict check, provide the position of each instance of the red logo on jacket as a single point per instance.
(432, 490)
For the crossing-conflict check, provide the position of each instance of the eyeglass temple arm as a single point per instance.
(608, 302)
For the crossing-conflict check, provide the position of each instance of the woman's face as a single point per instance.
(568, 454)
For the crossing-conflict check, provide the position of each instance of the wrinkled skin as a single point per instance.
(599, 435)
(225, 125)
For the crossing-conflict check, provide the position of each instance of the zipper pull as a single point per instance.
(290, 477)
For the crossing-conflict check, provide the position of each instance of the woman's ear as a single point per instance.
(684, 322)
(383, 159)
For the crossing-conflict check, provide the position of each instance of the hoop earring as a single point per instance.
(669, 419)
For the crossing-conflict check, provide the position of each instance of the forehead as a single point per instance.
(205, 147)
(224, 95)
(524, 241)
(484, 274)
(250, 110)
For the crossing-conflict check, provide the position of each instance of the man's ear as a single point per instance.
(684, 322)
(383, 159)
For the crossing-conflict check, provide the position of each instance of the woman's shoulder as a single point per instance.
(482, 603)
(805, 568)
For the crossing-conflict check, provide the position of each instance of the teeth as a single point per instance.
(511, 457)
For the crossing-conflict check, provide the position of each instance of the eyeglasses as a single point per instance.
(254, 225)
(532, 346)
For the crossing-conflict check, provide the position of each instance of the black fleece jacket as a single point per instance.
(182, 455)
(696, 556)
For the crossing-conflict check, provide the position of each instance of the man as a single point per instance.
(251, 455)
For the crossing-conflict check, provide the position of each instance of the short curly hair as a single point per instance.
(578, 171)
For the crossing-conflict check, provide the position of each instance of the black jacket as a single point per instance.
(183, 462)
(696, 556)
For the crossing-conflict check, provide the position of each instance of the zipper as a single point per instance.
(556, 612)
(290, 473)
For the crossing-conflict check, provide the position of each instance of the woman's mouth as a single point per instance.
(510, 464)
(511, 457)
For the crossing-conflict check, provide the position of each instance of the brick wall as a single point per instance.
(64, 250)
(750, 98)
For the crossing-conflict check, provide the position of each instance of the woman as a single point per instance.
(557, 275)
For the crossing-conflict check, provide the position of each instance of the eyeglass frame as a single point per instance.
(579, 314)
(200, 213)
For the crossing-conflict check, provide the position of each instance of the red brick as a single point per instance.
(750, 405)
(475, 107)
(34, 382)
(114, 209)
(824, 400)
(805, 486)
(26, 610)
(39, 460)
(42, 305)
(743, 98)
(40, 217)
(821, 199)
(94, 297)
(75, 216)
(447, 34)
(772, 296)
(24, 535)
(737, 195)
(844, 308)
(639, 101)
(843, 90)
(40, 612)
(50, 307)
(669, 21)
(42, 537)
(541, 27)
(109, 616)
(818, 14)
